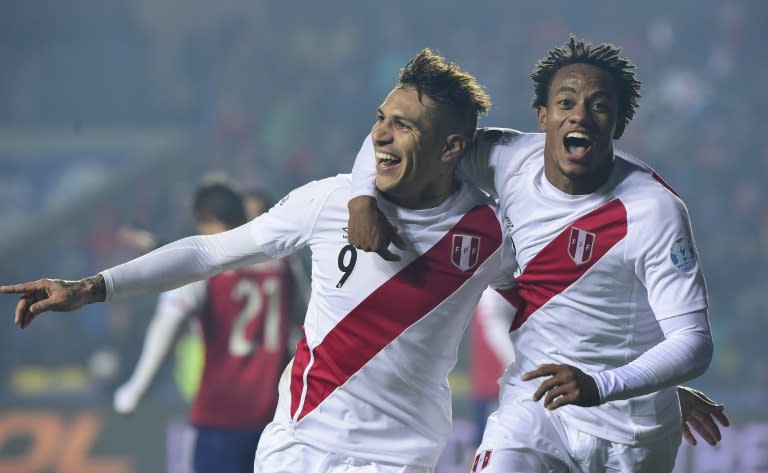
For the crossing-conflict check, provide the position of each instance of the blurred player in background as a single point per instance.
(367, 389)
(243, 317)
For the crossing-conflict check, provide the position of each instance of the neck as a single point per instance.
(427, 198)
(580, 182)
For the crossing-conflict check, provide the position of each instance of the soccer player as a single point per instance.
(244, 316)
(611, 299)
(367, 389)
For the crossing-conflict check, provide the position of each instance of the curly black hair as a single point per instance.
(605, 56)
(447, 84)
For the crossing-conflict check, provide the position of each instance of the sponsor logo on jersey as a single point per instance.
(682, 254)
(482, 460)
(284, 200)
(580, 245)
(508, 223)
(465, 251)
(510, 226)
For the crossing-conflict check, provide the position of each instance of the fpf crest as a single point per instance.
(580, 245)
(465, 251)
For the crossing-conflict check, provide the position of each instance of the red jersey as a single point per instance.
(244, 327)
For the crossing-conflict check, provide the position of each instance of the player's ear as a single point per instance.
(455, 144)
(541, 117)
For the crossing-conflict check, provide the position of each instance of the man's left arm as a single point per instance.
(684, 354)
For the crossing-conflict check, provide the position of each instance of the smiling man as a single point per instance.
(611, 299)
(368, 388)
(625, 316)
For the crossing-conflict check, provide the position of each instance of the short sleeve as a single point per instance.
(666, 258)
(289, 224)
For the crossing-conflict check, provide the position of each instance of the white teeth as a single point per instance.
(386, 157)
(577, 134)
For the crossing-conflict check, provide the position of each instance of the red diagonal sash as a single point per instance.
(388, 311)
(554, 269)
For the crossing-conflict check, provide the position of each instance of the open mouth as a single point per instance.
(386, 161)
(577, 144)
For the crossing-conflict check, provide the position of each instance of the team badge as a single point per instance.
(482, 460)
(683, 254)
(465, 252)
(580, 245)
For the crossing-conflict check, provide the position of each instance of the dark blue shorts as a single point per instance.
(225, 450)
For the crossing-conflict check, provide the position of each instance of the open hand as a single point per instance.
(566, 385)
(700, 412)
(126, 399)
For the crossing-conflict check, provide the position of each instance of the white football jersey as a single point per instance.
(595, 273)
(370, 377)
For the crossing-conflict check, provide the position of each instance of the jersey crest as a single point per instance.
(465, 251)
(580, 245)
(549, 273)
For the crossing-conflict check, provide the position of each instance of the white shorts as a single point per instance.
(280, 452)
(524, 437)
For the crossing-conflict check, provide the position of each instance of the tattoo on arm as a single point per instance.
(96, 287)
(92, 289)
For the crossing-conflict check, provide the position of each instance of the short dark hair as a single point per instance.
(447, 84)
(605, 56)
(216, 197)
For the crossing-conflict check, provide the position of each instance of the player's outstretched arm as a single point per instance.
(369, 230)
(55, 295)
(701, 412)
